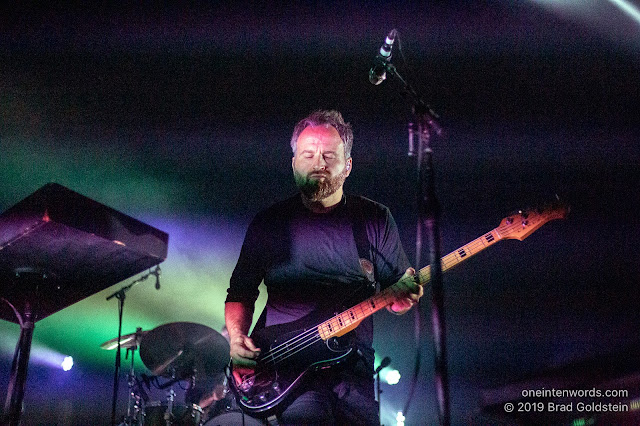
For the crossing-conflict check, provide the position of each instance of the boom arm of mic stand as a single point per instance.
(420, 109)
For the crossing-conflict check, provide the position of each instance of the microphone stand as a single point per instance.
(385, 363)
(121, 295)
(424, 123)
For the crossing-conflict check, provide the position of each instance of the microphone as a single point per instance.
(383, 364)
(378, 73)
(157, 273)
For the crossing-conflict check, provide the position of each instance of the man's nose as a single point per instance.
(320, 162)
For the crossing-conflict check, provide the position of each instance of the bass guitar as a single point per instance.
(303, 346)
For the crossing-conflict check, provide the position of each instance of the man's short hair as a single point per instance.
(325, 118)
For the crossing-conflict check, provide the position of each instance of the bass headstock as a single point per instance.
(521, 224)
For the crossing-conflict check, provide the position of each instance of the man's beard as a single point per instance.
(315, 189)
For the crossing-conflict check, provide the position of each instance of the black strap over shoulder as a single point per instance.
(355, 209)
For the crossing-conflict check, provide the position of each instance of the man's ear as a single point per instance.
(348, 165)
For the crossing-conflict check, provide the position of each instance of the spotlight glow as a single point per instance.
(627, 8)
(46, 356)
(392, 377)
(400, 419)
(67, 363)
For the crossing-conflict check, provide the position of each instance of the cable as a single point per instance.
(15, 311)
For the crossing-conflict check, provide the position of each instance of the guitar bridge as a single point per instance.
(247, 384)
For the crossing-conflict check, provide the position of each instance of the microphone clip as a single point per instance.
(157, 272)
(382, 61)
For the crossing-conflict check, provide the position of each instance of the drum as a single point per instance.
(181, 415)
(233, 418)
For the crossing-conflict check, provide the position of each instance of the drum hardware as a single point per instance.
(137, 395)
(177, 352)
(183, 347)
(159, 414)
(169, 412)
(168, 415)
(126, 341)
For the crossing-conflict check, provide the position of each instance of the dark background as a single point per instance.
(181, 117)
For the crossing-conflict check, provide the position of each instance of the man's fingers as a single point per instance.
(237, 377)
(245, 342)
(410, 279)
(244, 362)
(246, 353)
(414, 290)
(252, 346)
(244, 347)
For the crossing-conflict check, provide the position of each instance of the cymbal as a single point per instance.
(181, 349)
(127, 341)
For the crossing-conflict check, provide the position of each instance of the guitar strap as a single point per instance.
(359, 225)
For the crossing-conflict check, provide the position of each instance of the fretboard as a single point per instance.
(349, 319)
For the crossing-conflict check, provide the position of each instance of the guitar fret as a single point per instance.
(476, 245)
(511, 227)
(448, 261)
(322, 331)
(368, 307)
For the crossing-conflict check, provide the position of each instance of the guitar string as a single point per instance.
(270, 356)
(285, 351)
(302, 341)
(476, 245)
(286, 345)
(290, 346)
(312, 337)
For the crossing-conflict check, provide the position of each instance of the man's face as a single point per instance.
(319, 165)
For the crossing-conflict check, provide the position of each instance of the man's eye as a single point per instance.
(329, 157)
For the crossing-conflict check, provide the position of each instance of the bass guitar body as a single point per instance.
(289, 353)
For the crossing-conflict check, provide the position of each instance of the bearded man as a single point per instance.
(319, 252)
